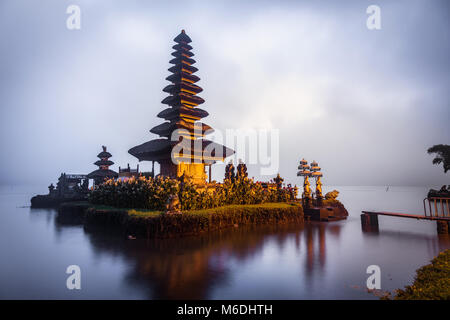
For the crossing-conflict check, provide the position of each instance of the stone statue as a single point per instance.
(183, 181)
(242, 169)
(332, 195)
(319, 188)
(173, 204)
(278, 181)
(306, 188)
(229, 171)
(85, 185)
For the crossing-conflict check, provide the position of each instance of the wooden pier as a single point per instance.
(441, 214)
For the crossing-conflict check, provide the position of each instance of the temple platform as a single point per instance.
(325, 213)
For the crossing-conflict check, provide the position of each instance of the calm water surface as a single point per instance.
(314, 261)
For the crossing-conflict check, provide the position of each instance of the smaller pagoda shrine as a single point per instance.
(103, 172)
(315, 173)
(305, 172)
(314, 205)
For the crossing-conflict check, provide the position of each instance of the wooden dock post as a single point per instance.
(442, 227)
(369, 222)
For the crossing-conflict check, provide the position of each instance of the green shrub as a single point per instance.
(152, 193)
(142, 192)
(432, 281)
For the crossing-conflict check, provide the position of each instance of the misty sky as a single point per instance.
(365, 104)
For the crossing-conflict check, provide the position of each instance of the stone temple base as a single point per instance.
(327, 212)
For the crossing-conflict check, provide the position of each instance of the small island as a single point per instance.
(182, 199)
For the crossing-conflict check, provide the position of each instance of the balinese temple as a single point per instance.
(103, 172)
(182, 115)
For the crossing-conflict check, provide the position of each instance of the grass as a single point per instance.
(142, 213)
(130, 211)
(75, 203)
(270, 205)
(432, 282)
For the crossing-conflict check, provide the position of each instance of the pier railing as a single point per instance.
(437, 207)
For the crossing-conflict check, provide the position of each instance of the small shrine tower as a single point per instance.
(305, 172)
(103, 172)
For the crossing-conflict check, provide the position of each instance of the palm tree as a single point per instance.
(442, 155)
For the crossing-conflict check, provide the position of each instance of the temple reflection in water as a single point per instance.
(191, 268)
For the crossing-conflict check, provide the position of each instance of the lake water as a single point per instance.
(314, 261)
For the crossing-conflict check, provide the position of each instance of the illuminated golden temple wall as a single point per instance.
(194, 171)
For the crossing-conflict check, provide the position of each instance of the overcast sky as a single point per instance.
(366, 104)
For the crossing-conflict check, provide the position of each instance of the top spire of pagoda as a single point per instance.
(183, 98)
(182, 38)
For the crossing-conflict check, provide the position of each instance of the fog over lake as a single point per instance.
(366, 104)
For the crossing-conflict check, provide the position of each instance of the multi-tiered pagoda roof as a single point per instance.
(103, 172)
(182, 114)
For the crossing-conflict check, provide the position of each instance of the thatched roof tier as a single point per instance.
(149, 150)
(183, 68)
(306, 173)
(183, 99)
(204, 148)
(165, 129)
(104, 163)
(161, 149)
(182, 87)
(104, 154)
(182, 38)
(100, 173)
(182, 52)
(182, 112)
(182, 47)
(182, 60)
(183, 76)
(303, 161)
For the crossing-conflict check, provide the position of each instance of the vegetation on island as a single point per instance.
(432, 282)
(152, 193)
(149, 224)
(156, 224)
(145, 206)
